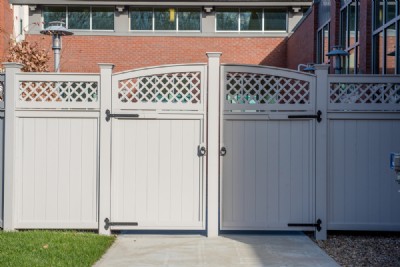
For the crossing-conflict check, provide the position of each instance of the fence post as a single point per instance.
(105, 147)
(10, 95)
(321, 154)
(213, 144)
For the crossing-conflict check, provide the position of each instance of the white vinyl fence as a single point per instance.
(78, 147)
(364, 128)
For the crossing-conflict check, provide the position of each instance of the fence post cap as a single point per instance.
(106, 65)
(321, 66)
(15, 65)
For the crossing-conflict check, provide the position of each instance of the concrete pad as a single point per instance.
(293, 249)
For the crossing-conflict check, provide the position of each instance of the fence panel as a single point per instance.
(57, 169)
(364, 128)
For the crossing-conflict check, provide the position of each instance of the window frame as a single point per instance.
(176, 19)
(90, 17)
(262, 22)
(321, 53)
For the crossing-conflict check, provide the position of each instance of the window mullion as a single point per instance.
(154, 20)
(66, 17)
(238, 29)
(90, 18)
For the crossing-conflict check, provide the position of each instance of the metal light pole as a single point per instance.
(338, 53)
(56, 30)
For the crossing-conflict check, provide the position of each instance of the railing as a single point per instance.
(363, 93)
(58, 91)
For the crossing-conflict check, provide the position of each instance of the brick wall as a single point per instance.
(82, 53)
(6, 27)
(301, 45)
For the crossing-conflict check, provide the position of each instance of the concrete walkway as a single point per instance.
(294, 249)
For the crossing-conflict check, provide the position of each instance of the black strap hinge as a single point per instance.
(318, 116)
(107, 223)
(111, 115)
(316, 225)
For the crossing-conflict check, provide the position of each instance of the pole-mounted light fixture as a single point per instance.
(338, 53)
(56, 30)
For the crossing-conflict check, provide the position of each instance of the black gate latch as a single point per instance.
(108, 223)
(318, 116)
(316, 225)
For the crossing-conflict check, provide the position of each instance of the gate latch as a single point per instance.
(317, 116)
(114, 115)
(222, 152)
(107, 223)
(201, 150)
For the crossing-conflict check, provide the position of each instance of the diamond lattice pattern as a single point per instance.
(182, 87)
(253, 88)
(33, 91)
(364, 93)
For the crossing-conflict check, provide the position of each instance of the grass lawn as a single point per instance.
(52, 248)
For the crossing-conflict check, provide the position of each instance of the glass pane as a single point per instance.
(378, 13)
(343, 28)
(79, 18)
(141, 19)
(189, 19)
(164, 19)
(275, 20)
(352, 24)
(351, 62)
(378, 53)
(251, 19)
(358, 22)
(227, 19)
(102, 18)
(53, 13)
(390, 50)
(390, 10)
(326, 43)
(320, 50)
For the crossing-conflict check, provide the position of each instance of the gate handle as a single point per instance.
(201, 150)
(222, 151)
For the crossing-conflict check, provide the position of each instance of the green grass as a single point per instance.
(52, 248)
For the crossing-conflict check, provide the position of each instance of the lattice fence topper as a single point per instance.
(253, 88)
(365, 93)
(182, 87)
(39, 91)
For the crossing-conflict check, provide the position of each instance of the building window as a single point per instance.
(80, 17)
(165, 19)
(323, 43)
(251, 19)
(350, 35)
(386, 37)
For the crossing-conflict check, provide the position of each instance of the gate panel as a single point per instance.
(268, 173)
(156, 173)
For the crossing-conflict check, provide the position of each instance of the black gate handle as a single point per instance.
(318, 116)
(110, 115)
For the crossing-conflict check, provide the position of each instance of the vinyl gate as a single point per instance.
(268, 136)
(158, 139)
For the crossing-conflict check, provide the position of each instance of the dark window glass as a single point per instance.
(189, 19)
(79, 18)
(343, 27)
(53, 13)
(102, 18)
(164, 19)
(227, 19)
(390, 10)
(141, 19)
(320, 50)
(251, 19)
(326, 43)
(352, 24)
(378, 14)
(275, 20)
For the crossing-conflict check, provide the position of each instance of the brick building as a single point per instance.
(6, 27)
(139, 34)
(367, 30)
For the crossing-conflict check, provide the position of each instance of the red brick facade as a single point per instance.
(301, 44)
(6, 27)
(83, 53)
